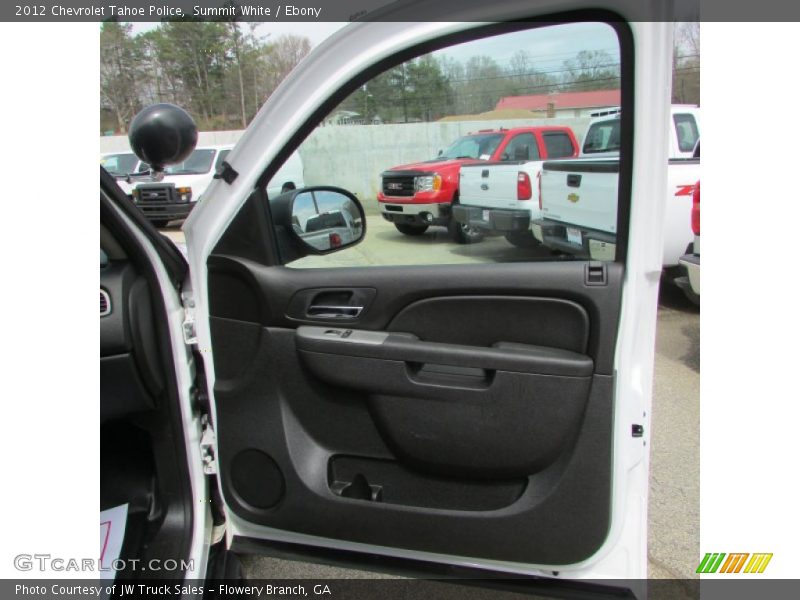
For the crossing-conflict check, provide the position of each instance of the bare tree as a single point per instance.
(236, 46)
(686, 63)
(118, 72)
(521, 64)
(284, 54)
(591, 70)
(687, 38)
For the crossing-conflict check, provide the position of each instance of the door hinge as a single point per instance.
(637, 431)
(189, 332)
(207, 442)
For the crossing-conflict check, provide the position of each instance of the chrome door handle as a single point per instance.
(334, 312)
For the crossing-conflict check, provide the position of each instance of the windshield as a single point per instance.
(473, 146)
(199, 162)
(602, 137)
(120, 164)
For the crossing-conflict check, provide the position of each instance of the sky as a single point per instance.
(315, 31)
(549, 47)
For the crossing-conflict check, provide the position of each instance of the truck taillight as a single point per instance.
(524, 191)
(696, 209)
(335, 240)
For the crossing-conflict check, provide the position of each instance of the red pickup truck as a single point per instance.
(418, 195)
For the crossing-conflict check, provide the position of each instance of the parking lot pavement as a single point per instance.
(674, 517)
(384, 245)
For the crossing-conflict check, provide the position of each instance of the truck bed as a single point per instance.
(582, 192)
(494, 184)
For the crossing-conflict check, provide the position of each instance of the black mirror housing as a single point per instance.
(317, 220)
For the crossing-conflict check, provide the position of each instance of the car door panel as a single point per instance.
(467, 412)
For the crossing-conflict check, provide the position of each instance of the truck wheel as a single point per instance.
(287, 187)
(407, 229)
(159, 223)
(522, 239)
(463, 233)
(691, 296)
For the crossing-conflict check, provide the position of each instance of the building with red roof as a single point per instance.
(563, 104)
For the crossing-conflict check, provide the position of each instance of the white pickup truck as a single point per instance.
(502, 196)
(579, 197)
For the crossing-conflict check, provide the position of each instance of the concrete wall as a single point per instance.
(119, 143)
(353, 156)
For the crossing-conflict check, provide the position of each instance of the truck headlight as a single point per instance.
(184, 194)
(428, 183)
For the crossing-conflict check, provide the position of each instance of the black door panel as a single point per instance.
(476, 321)
(244, 290)
(473, 366)
(480, 426)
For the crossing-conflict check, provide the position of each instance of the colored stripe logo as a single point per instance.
(719, 562)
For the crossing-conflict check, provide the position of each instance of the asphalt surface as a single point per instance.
(674, 515)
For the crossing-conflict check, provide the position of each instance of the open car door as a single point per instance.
(481, 406)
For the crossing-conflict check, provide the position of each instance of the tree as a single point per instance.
(526, 79)
(283, 55)
(193, 56)
(480, 87)
(686, 63)
(119, 71)
(236, 44)
(428, 92)
(591, 70)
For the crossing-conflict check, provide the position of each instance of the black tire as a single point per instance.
(408, 229)
(159, 223)
(522, 239)
(287, 187)
(462, 233)
(691, 296)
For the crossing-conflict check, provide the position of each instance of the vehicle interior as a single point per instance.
(142, 457)
(450, 409)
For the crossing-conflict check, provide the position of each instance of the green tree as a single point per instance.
(429, 95)
(193, 55)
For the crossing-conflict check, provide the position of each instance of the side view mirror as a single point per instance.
(162, 135)
(318, 220)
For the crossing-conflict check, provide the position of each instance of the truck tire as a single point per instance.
(522, 239)
(461, 233)
(287, 187)
(407, 229)
(464, 234)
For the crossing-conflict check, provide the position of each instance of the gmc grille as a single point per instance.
(398, 186)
